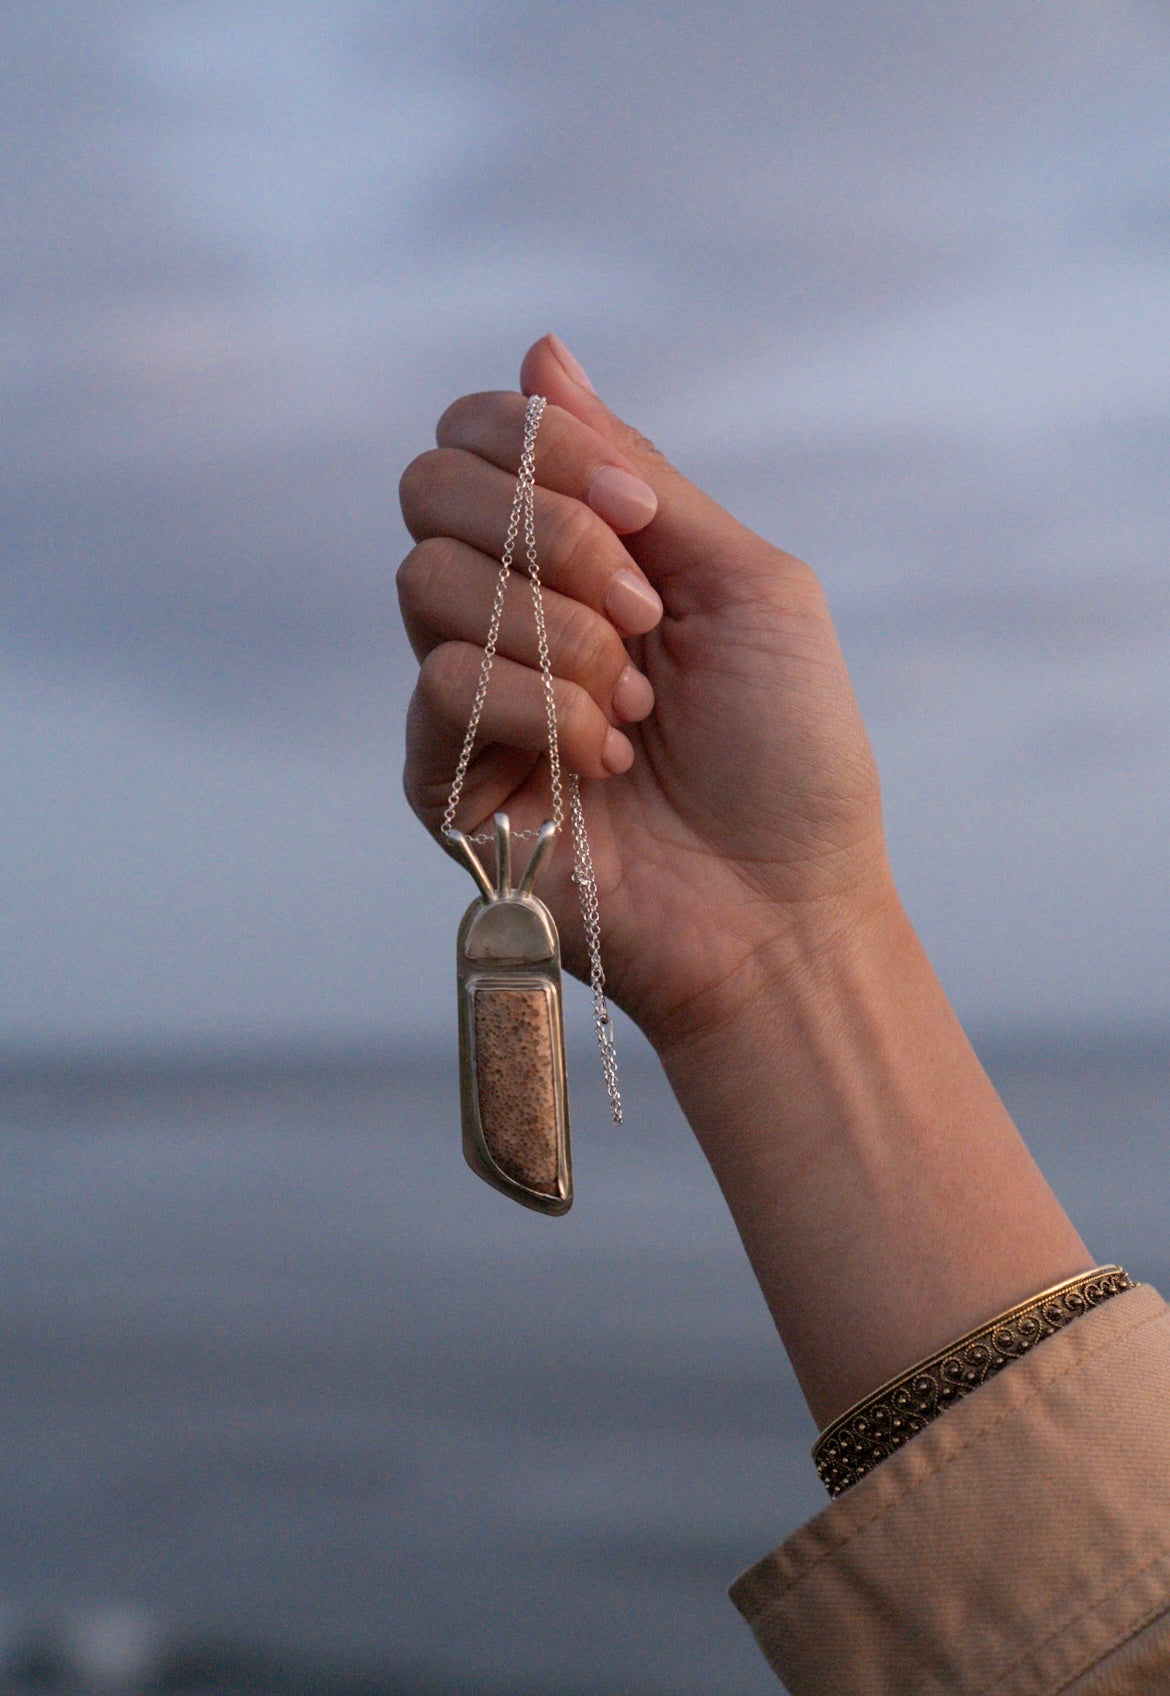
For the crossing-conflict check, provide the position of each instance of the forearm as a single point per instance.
(885, 1199)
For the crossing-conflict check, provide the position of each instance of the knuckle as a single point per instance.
(577, 539)
(425, 800)
(643, 448)
(588, 647)
(419, 572)
(427, 772)
(452, 426)
(803, 587)
(417, 483)
(444, 678)
(427, 483)
(582, 725)
(412, 788)
(475, 419)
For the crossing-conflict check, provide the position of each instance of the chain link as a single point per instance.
(586, 881)
(524, 511)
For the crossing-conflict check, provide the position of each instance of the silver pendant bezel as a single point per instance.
(537, 968)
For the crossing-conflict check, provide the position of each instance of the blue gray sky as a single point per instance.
(892, 280)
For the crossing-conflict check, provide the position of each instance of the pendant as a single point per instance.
(512, 1083)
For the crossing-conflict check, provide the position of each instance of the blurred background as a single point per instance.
(288, 1400)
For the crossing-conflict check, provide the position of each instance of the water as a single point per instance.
(281, 1380)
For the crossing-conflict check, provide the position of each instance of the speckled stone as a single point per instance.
(514, 1080)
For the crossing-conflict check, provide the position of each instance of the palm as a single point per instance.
(753, 791)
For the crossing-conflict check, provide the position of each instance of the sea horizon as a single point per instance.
(289, 1387)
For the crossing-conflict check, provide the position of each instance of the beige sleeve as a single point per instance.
(1018, 1546)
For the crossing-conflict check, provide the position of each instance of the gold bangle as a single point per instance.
(873, 1428)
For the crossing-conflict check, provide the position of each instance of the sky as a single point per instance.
(892, 281)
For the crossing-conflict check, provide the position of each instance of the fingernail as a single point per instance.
(633, 695)
(573, 366)
(617, 753)
(632, 603)
(622, 499)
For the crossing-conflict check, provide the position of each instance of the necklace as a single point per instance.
(512, 1081)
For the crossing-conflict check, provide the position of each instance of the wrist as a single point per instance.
(800, 957)
(884, 1197)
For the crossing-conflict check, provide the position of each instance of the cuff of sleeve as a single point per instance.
(1008, 1548)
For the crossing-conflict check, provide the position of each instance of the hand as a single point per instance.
(749, 920)
(737, 819)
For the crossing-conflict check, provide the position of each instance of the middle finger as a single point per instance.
(447, 590)
(450, 492)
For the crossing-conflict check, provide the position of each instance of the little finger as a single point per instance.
(514, 713)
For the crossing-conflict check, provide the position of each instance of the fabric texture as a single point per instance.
(1140, 1667)
(1018, 1546)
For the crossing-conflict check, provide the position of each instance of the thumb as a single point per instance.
(689, 526)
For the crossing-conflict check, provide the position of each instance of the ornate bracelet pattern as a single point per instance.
(872, 1429)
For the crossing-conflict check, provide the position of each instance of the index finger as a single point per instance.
(571, 458)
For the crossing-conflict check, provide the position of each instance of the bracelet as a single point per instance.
(873, 1428)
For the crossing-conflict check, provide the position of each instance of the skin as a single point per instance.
(751, 923)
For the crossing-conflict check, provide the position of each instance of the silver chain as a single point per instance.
(524, 510)
(586, 881)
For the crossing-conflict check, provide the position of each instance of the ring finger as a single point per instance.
(447, 592)
(513, 720)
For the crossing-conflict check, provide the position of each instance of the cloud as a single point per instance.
(893, 282)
